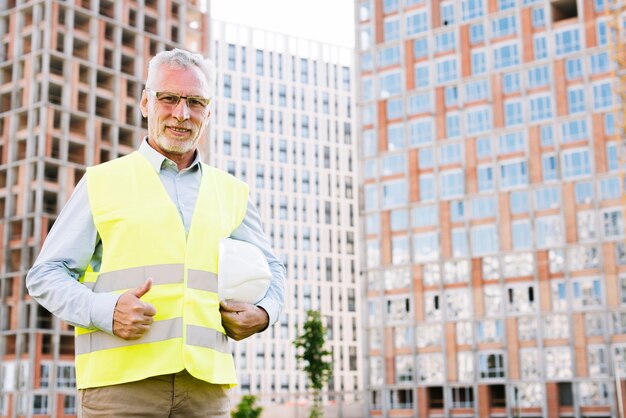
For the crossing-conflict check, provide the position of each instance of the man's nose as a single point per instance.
(181, 110)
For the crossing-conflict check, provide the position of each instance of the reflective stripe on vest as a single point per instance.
(143, 237)
(159, 331)
(162, 274)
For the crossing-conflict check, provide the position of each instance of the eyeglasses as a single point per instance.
(171, 99)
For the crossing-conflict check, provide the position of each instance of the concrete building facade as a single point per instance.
(71, 75)
(284, 122)
(492, 212)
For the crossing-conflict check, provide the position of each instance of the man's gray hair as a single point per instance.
(182, 59)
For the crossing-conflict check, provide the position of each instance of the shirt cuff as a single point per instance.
(271, 308)
(102, 311)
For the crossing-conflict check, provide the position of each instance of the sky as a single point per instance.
(330, 21)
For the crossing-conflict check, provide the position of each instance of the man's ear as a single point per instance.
(143, 104)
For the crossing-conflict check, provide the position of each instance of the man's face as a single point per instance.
(175, 129)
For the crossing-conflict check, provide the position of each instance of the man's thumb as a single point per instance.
(144, 288)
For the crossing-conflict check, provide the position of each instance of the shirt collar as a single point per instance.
(156, 159)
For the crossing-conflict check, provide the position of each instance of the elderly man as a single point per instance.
(132, 261)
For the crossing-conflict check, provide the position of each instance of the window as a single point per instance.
(547, 198)
(446, 70)
(493, 307)
(451, 153)
(519, 202)
(586, 224)
(513, 113)
(538, 17)
(593, 393)
(503, 26)
(529, 363)
(558, 362)
(574, 130)
(505, 56)
(600, 63)
(395, 109)
(227, 86)
(447, 13)
(395, 136)
(459, 243)
(420, 47)
(430, 368)
(510, 83)
(394, 194)
(477, 33)
(479, 62)
(601, 30)
(602, 95)
(548, 231)
(547, 136)
(478, 120)
(421, 132)
(451, 95)
(491, 366)
(540, 108)
(573, 68)
(445, 41)
(483, 147)
(420, 103)
(476, 91)
(417, 23)
(422, 75)
(426, 158)
(485, 178)
(388, 56)
(567, 41)
(40, 405)
(576, 99)
(425, 247)
(575, 163)
(522, 235)
(513, 174)
(425, 216)
(520, 298)
(390, 84)
(471, 9)
(538, 77)
(453, 125)
(484, 240)
(427, 187)
(540, 43)
(390, 6)
(587, 293)
(393, 164)
(391, 30)
(452, 184)
(484, 207)
(613, 223)
(400, 250)
(548, 165)
(584, 192)
(612, 157)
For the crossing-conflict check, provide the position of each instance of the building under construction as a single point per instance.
(71, 74)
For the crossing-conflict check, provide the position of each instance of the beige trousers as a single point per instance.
(169, 396)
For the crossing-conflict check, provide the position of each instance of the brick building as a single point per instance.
(493, 239)
(49, 134)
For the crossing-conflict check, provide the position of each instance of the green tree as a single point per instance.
(246, 408)
(316, 364)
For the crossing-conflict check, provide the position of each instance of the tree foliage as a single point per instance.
(316, 364)
(246, 408)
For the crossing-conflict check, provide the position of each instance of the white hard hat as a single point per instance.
(243, 273)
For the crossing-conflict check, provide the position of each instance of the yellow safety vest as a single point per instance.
(143, 236)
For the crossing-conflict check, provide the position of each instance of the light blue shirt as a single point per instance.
(73, 243)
